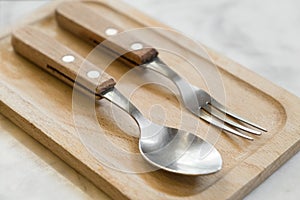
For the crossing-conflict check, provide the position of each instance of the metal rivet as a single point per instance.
(93, 74)
(111, 31)
(136, 46)
(68, 58)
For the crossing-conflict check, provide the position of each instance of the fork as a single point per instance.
(95, 28)
(205, 102)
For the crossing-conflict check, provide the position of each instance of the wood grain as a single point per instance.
(92, 26)
(48, 54)
(42, 106)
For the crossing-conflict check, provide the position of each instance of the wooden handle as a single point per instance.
(94, 28)
(59, 60)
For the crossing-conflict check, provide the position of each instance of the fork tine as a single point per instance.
(221, 108)
(218, 124)
(230, 122)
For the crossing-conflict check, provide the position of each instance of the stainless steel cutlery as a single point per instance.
(168, 148)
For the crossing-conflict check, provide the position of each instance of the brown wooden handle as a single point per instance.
(59, 60)
(95, 28)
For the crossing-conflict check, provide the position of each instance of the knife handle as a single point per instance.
(94, 28)
(60, 61)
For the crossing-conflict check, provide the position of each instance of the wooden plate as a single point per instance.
(42, 106)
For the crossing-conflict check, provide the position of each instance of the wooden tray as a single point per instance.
(42, 106)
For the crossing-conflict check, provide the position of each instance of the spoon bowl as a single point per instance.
(168, 148)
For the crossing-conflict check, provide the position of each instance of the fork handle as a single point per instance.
(59, 60)
(94, 28)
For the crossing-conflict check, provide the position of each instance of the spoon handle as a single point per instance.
(60, 61)
(68, 66)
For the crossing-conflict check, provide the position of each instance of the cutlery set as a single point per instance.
(167, 148)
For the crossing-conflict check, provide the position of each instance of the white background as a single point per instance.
(262, 35)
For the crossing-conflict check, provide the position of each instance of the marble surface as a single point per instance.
(262, 35)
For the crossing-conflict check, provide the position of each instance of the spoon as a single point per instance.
(167, 148)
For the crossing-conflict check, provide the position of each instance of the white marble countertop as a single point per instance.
(262, 35)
